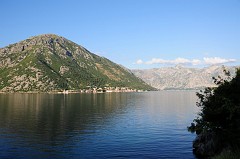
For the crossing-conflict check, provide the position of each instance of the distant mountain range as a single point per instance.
(180, 77)
(50, 62)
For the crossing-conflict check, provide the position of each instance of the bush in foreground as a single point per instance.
(218, 124)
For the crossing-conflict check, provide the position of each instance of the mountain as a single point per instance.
(49, 62)
(180, 77)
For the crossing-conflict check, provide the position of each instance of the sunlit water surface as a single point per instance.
(107, 125)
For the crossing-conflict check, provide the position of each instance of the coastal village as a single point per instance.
(90, 89)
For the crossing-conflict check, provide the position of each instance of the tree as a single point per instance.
(220, 113)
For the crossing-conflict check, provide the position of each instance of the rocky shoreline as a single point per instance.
(207, 144)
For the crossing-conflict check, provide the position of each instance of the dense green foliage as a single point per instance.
(220, 111)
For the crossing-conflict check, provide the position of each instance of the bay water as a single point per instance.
(102, 125)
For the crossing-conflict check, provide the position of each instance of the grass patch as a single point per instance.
(227, 154)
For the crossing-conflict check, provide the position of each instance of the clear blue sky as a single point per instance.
(152, 33)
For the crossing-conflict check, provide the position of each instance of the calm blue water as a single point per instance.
(109, 125)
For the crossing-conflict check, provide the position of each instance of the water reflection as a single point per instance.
(151, 124)
(53, 114)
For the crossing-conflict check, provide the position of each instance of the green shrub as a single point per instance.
(220, 111)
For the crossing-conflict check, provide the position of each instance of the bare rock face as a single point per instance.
(181, 77)
(63, 69)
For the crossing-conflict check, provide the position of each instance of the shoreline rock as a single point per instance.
(207, 144)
